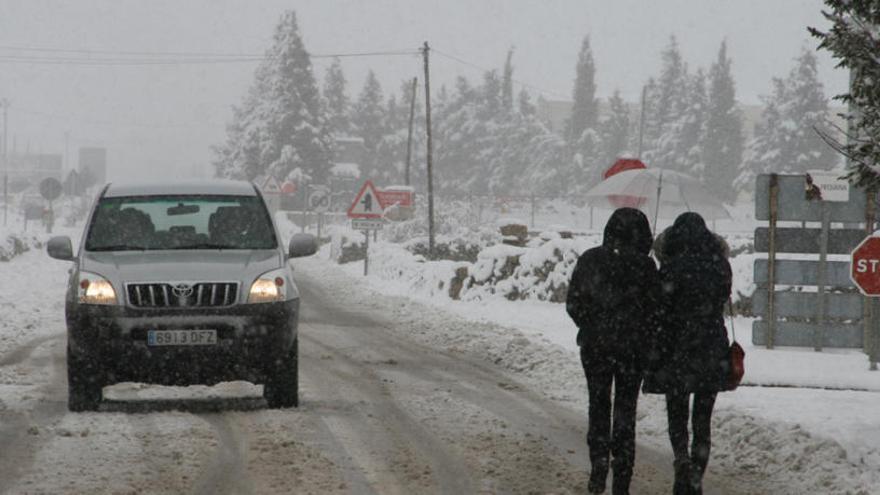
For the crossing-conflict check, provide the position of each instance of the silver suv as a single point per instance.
(181, 284)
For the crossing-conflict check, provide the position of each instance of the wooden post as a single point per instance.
(867, 302)
(771, 261)
(533, 211)
(821, 280)
(871, 336)
(430, 153)
(366, 251)
(305, 206)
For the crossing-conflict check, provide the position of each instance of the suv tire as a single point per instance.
(282, 384)
(84, 383)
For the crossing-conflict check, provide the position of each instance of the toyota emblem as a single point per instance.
(182, 290)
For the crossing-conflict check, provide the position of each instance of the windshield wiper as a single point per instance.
(206, 245)
(117, 247)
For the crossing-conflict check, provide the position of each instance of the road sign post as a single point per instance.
(365, 213)
(50, 189)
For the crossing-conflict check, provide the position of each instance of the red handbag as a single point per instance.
(737, 357)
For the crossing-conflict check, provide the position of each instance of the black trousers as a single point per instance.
(690, 465)
(603, 437)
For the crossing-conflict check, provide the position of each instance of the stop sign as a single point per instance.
(865, 266)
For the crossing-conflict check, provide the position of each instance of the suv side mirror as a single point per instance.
(302, 245)
(59, 247)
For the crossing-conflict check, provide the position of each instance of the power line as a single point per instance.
(113, 57)
(483, 69)
(108, 123)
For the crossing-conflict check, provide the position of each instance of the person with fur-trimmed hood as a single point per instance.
(613, 298)
(690, 352)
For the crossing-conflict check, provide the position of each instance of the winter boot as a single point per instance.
(683, 477)
(620, 485)
(598, 475)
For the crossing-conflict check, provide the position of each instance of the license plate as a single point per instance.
(181, 337)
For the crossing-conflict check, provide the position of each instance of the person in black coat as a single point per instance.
(613, 298)
(690, 351)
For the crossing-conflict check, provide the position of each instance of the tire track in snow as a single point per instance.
(391, 452)
(24, 351)
(228, 472)
(19, 442)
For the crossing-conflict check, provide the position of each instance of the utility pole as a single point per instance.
(5, 104)
(425, 51)
(412, 113)
(67, 149)
(642, 120)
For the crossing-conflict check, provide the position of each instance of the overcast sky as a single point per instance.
(161, 120)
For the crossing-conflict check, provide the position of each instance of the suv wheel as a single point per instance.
(282, 385)
(84, 383)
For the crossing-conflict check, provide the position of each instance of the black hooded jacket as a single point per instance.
(614, 289)
(691, 348)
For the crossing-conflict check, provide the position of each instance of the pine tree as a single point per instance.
(724, 141)
(853, 40)
(524, 101)
(490, 96)
(368, 114)
(787, 141)
(614, 131)
(338, 105)
(585, 108)
(280, 128)
(368, 121)
(691, 128)
(665, 102)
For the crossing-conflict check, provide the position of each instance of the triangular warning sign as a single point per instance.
(271, 186)
(366, 203)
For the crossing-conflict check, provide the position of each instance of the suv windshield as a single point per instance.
(180, 222)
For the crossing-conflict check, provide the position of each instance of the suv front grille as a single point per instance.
(181, 295)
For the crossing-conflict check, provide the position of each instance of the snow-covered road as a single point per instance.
(397, 397)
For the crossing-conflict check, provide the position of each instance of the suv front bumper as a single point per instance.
(250, 338)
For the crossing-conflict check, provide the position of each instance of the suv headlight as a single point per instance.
(95, 289)
(269, 287)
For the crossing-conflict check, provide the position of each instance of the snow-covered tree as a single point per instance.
(691, 128)
(585, 107)
(724, 141)
(368, 115)
(786, 141)
(526, 107)
(853, 39)
(280, 127)
(664, 103)
(338, 105)
(368, 122)
(614, 131)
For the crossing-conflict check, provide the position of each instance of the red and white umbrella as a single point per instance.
(657, 192)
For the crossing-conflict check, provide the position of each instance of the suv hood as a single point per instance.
(192, 265)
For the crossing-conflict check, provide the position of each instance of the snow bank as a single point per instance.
(540, 271)
(14, 244)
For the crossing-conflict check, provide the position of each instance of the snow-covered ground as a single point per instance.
(797, 403)
(785, 439)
